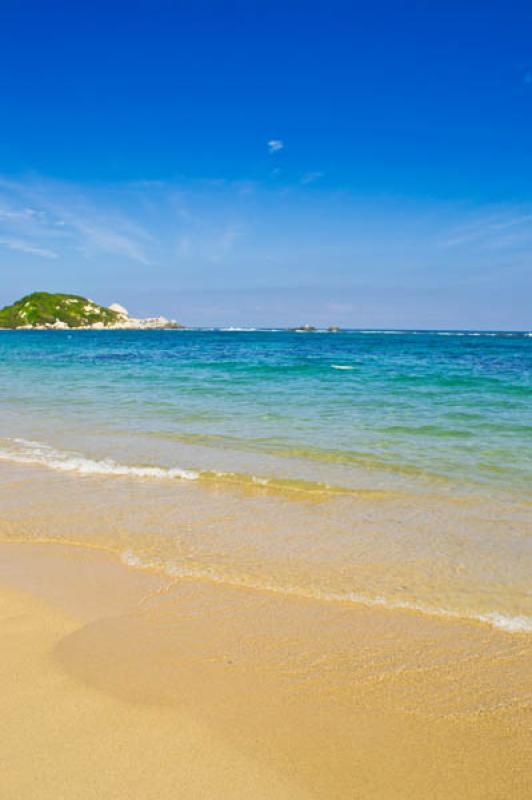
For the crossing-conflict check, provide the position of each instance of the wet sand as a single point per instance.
(121, 683)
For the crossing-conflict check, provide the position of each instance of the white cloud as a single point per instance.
(499, 229)
(107, 240)
(18, 215)
(274, 145)
(310, 177)
(38, 213)
(22, 246)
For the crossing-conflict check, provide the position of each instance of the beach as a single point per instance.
(229, 568)
(117, 683)
(265, 401)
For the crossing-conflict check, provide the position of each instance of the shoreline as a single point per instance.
(514, 626)
(162, 528)
(275, 696)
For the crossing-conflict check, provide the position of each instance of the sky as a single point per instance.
(271, 163)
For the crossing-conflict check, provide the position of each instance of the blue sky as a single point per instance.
(271, 163)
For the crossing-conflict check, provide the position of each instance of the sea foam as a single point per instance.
(26, 451)
(509, 624)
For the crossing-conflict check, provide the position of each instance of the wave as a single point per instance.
(25, 451)
(29, 452)
(509, 624)
(341, 366)
(41, 454)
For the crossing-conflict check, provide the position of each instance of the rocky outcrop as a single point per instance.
(125, 322)
(304, 329)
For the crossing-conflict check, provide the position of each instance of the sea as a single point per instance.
(370, 467)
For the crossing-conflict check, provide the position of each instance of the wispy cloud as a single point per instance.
(503, 228)
(34, 214)
(217, 233)
(18, 215)
(224, 243)
(22, 246)
(212, 246)
(311, 177)
(107, 240)
(275, 145)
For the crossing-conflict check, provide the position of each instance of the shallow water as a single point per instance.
(379, 467)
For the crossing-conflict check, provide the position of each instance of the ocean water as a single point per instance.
(378, 467)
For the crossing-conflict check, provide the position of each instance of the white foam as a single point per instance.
(25, 451)
(518, 624)
(260, 481)
(341, 366)
(514, 624)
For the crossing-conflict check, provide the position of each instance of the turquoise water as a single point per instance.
(383, 467)
(428, 405)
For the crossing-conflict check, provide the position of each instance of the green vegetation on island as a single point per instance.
(42, 309)
(45, 311)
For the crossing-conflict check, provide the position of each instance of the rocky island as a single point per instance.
(304, 329)
(311, 329)
(46, 311)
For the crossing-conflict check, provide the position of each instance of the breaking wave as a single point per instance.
(26, 451)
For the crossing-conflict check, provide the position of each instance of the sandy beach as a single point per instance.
(265, 400)
(118, 683)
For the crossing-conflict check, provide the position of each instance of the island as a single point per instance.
(47, 311)
(304, 329)
(311, 329)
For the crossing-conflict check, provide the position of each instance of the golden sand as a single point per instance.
(116, 683)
